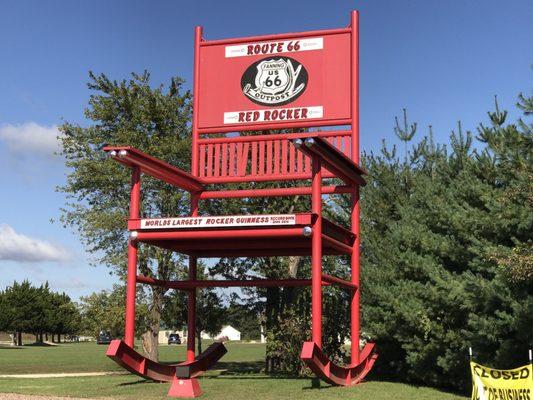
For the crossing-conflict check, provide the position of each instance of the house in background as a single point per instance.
(227, 331)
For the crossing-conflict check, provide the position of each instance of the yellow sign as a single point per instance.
(501, 384)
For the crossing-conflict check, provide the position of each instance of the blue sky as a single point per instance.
(442, 60)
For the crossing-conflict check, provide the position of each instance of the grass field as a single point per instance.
(237, 377)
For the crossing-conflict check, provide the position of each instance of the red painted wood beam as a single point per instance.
(266, 127)
(341, 247)
(276, 36)
(154, 167)
(334, 160)
(339, 282)
(258, 178)
(219, 234)
(273, 136)
(135, 207)
(187, 285)
(274, 192)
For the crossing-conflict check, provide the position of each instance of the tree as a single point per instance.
(210, 312)
(285, 309)
(104, 310)
(243, 317)
(23, 309)
(516, 261)
(154, 120)
(28, 309)
(436, 229)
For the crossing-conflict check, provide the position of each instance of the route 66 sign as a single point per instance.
(303, 79)
(274, 81)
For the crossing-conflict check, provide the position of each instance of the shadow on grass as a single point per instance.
(232, 368)
(8, 347)
(140, 381)
(316, 384)
(37, 344)
(239, 368)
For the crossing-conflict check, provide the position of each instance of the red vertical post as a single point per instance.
(316, 253)
(131, 283)
(195, 102)
(191, 300)
(354, 306)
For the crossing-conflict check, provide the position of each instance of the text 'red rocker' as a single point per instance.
(278, 82)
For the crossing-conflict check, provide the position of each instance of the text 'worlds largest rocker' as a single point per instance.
(278, 82)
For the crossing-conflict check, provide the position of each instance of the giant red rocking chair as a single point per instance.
(242, 85)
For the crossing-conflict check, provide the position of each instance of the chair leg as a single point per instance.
(316, 254)
(191, 312)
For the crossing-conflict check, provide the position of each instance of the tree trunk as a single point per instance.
(46, 336)
(150, 337)
(59, 338)
(19, 338)
(199, 339)
(289, 292)
(293, 266)
(271, 314)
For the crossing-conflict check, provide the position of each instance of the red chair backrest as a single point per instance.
(230, 96)
(260, 157)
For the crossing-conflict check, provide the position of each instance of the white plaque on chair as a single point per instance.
(218, 221)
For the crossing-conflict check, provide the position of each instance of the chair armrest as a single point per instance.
(332, 159)
(152, 166)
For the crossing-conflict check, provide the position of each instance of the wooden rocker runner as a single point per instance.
(277, 82)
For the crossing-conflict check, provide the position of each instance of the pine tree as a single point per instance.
(439, 231)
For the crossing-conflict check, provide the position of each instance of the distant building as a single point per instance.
(227, 331)
(263, 337)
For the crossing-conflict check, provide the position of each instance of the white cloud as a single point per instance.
(30, 138)
(17, 247)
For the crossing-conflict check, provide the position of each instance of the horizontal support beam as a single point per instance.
(274, 192)
(332, 159)
(219, 234)
(339, 282)
(273, 136)
(278, 125)
(344, 248)
(155, 167)
(274, 252)
(276, 36)
(258, 178)
(188, 285)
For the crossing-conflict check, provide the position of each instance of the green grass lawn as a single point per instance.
(237, 376)
(89, 357)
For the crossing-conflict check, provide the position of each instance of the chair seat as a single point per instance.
(241, 235)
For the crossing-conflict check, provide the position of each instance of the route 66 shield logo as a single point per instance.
(274, 81)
